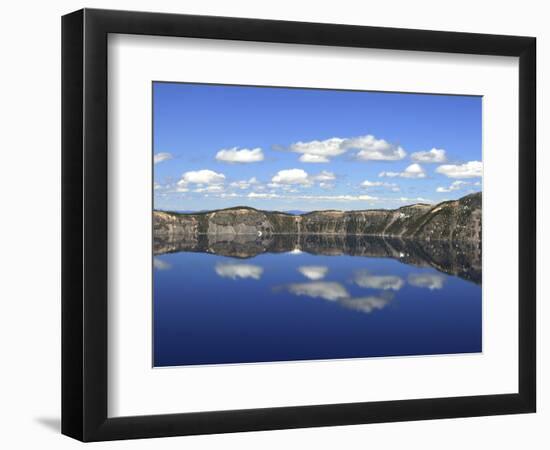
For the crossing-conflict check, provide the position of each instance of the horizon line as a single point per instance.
(204, 211)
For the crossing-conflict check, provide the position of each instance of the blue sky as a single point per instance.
(217, 146)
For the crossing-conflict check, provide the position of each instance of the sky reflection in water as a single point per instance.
(213, 309)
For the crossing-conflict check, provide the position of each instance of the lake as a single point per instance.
(244, 299)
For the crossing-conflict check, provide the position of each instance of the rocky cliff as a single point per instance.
(457, 220)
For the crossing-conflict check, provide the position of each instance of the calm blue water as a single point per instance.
(213, 309)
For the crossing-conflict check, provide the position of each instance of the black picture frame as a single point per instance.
(84, 224)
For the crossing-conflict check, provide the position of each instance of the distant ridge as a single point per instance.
(295, 212)
(450, 220)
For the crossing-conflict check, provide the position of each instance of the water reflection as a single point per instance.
(327, 290)
(455, 258)
(426, 280)
(313, 272)
(364, 278)
(159, 264)
(368, 304)
(235, 271)
(336, 292)
(236, 299)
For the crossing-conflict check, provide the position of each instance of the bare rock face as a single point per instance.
(238, 221)
(169, 224)
(454, 220)
(458, 220)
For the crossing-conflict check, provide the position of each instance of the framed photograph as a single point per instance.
(273, 224)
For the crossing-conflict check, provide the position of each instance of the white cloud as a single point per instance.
(199, 177)
(366, 304)
(415, 199)
(413, 171)
(435, 155)
(288, 178)
(426, 280)
(389, 174)
(337, 198)
(263, 195)
(455, 186)
(289, 196)
(235, 271)
(159, 264)
(160, 157)
(313, 272)
(291, 176)
(318, 151)
(471, 169)
(367, 148)
(325, 176)
(214, 188)
(309, 158)
(372, 149)
(236, 155)
(244, 184)
(228, 195)
(369, 184)
(327, 290)
(384, 282)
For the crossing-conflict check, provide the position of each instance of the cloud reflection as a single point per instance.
(364, 279)
(336, 292)
(235, 271)
(313, 272)
(368, 304)
(159, 264)
(327, 290)
(426, 280)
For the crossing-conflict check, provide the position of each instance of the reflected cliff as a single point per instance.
(462, 259)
